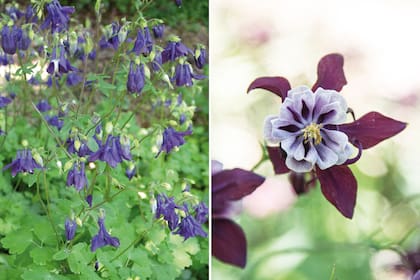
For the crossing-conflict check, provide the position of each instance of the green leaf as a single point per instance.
(61, 255)
(141, 261)
(79, 258)
(18, 241)
(41, 255)
(44, 231)
(40, 273)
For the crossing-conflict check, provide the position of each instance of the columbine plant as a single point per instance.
(93, 108)
(310, 134)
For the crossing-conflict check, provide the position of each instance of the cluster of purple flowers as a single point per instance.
(172, 139)
(24, 162)
(113, 151)
(187, 226)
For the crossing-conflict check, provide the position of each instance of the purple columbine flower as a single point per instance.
(103, 238)
(57, 17)
(309, 134)
(174, 50)
(81, 151)
(178, 3)
(73, 79)
(190, 227)
(30, 16)
(10, 37)
(112, 152)
(112, 39)
(43, 106)
(34, 81)
(183, 75)
(77, 177)
(4, 101)
(229, 186)
(70, 227)
(136, 79)
(172, 138)
(158, 31)
(130, 171)
(23, 42)
(201, 213)
(166, 207)
(143, 43)
(157, 62)
(14, 13)
(24, 162)
(59, 65)
(5, 59)
(55, 121)
(200, 57)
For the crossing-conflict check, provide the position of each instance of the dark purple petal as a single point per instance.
(278, 160)
(234, 184)
(371, 129)
(331, 73)
(339, 187)
(417, 275)
(228, 242)
(277, 85)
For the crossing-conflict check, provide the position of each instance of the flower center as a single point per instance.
(312, 131)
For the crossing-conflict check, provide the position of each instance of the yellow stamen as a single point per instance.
(312, 131)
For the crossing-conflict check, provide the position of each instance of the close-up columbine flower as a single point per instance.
(70, 227)
(172, 139)
(103, 238)
(10, 36)
(173, 50)
(310, 134)
(190, 227)
(200, 57)
(228, 187)
(77, 176)
(4, 101)
(184, 74)
(79, 147)
(158, 31)
(55, 121)
(143, 43)
(24, 162)
(57, 17)
(165, 206)
(201, 212)
(111, 38)
(136, 79)
(59, 65)
(112, 151)
(43, 106)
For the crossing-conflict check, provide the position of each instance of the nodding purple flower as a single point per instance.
(4, 101)
(190, 227)
(178, 3)
(111, 40)
(157, 62)
(112, 152)
(173, 50)
(310, 136)
(24, 162)
(59, 65)
(130, 171)
(92, 55)
(57, 16)
(81, 150)
(228, 187)
(172, 138)
(136, 79)
(183, 75)
(166, 207)
(143, 43)
(14, 13)
(34, 81)
(23, 42)
(89, 199)
(158, 31)
(70, 227)
(77, 177)
(43, 106)
(5, 59)
(200, 57)
(201, 213)
(103, 238)
(10, 37)
(73, 79)
(30, 15)
(55, 121)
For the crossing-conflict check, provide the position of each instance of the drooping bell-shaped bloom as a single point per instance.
(190, 227)
(130, 171)
(77, 177)
(183, 75)
(158, 31)
(136, 79)
(172, 138)
(143, 43)
(103, 238)
(89, 199)
(59, 65)
(4, 101)
(55, 121)
(178, 3)
(201, 213)
(166, 207)
(57, 17)
(24, 162)
(200, 57)
(43, 106)
(77, 146)
(23, 42)
(157, 61)
(228, 187)
(111, 38)
(14, 13)
(70, 227)
(73, 79)
(173, 50)
(310, 133)
(10, 37)
(5, 59)
(112, 152)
